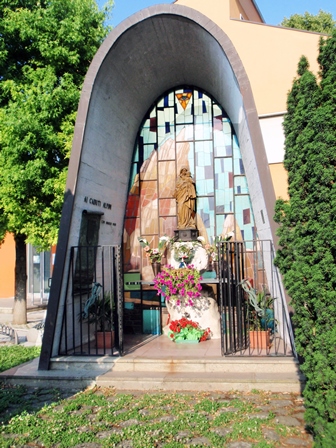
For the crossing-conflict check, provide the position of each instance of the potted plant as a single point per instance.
(260, 316)
(259, 336)
(98, 311)
(185, 330)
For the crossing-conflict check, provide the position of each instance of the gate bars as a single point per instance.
(94, 302)
(95, 279)
(255, 321)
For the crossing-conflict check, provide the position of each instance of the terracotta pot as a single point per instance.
(108, 336)
(260, 339)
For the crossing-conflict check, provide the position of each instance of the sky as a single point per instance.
(273, 11)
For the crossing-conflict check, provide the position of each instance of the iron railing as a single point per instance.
(253, 309)
(93, 311)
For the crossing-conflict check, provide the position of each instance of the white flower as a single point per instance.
(164, 238)
(201, 238)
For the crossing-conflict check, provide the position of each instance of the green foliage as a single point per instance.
(14, 355)
(45, 51)
(322, 22)
(106, 418)
(307, 232)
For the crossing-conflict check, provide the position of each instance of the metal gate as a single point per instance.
(93, 310)
(253, 309)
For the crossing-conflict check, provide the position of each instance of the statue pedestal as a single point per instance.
(186, 234)
(205, 312)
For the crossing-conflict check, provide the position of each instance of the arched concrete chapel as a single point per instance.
(153, 51)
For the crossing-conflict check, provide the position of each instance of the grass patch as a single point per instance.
(106, 418)
(14, 355)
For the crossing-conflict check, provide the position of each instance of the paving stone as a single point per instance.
(203, 441)
(130, 422)
(120, 411)
(124, 444)
(87, 445)
(287, 420)
(239, 445)
(299, 415)
(261, 416)
(281, 403)
(145, 412)
(229, 410)
(270, 434)
(280, 411)
(221, 431)
(183, 435)
(266, 408)
(167, 418)
(291, 441)
(106, 434)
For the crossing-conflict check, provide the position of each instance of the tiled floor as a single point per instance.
(161, 347)
(150, 346)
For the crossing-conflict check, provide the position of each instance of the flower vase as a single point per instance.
(156, 266)
(215, 267)
(210, 266)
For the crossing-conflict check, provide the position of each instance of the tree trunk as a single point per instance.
(20, 299)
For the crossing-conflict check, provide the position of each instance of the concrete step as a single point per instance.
(193, 381)
(207, 365)
(279, 375)
(223, 374)
(93, 364)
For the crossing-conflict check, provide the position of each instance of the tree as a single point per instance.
(45, 50)
(307, 232)
(321, 23)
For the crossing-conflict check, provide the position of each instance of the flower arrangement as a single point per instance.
(175, 284)
(187, 330)
(211, 249)
(155, 255)
(184, 251)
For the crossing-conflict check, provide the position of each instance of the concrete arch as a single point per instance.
(155, 50)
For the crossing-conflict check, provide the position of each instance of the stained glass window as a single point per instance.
(188, 128)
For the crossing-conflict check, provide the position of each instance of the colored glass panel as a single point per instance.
(167, 178)
(185, 156)
(149, 207)
(184, 133)
(134, 187)
(148, 132)
(131, 244)
(244, 216)
(219, 144)
(240, 185)
(167, 207)
(203, 118)
(166, 126)
(184, 110)
(205, 209)
(132, 207)
(168, 225)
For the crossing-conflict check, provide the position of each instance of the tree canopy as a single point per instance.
(322, 22)
(45, 50)
(46, 47)
(307, 255)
